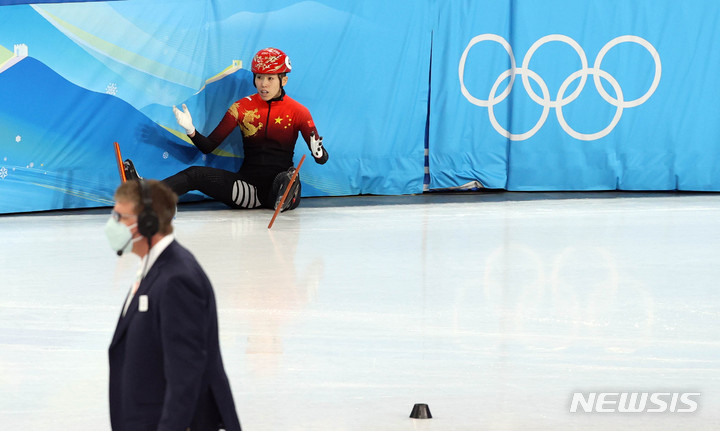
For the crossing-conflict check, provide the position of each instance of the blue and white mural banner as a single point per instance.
(76, 77)
(507, 94)
(562, 95)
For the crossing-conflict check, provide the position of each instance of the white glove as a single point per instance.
(184, 119)
(316, 146)
(317, 150)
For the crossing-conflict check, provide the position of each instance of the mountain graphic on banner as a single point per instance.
(56, 142)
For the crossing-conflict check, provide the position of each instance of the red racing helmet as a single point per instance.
(269, 61)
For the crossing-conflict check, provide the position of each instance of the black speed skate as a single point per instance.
(130, 172)
(280, 184)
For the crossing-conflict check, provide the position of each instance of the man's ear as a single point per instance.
(284, 80)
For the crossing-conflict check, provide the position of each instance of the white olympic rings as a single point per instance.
(560, 100)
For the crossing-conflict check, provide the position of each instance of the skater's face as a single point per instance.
(268, 86)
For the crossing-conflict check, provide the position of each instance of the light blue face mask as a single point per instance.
(119, 236)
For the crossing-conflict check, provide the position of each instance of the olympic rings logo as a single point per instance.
(561, 99)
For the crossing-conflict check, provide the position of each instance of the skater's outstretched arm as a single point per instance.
(312, 137)
(206, 144)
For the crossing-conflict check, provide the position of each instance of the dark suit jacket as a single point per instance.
(166, 372)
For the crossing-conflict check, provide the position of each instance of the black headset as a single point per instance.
(147, 221)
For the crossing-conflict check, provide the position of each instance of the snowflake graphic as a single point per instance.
(166, 155)
(18, 138)
(111, 89)
(3, 173)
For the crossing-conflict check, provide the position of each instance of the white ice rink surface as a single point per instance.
(491, 308)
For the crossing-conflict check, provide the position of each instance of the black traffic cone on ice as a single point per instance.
(420, 411)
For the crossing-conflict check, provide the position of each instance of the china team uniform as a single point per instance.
(270, 130)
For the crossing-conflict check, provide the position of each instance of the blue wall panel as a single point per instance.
(514, 94)
(605, 95)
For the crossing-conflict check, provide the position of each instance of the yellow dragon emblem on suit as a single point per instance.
(246, 124)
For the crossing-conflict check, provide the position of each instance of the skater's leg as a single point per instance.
(219, 184)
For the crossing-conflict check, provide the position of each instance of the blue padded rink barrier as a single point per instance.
(492, 308)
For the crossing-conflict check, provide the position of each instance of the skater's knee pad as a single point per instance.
(245, 195)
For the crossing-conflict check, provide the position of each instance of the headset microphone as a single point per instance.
(120, 252)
